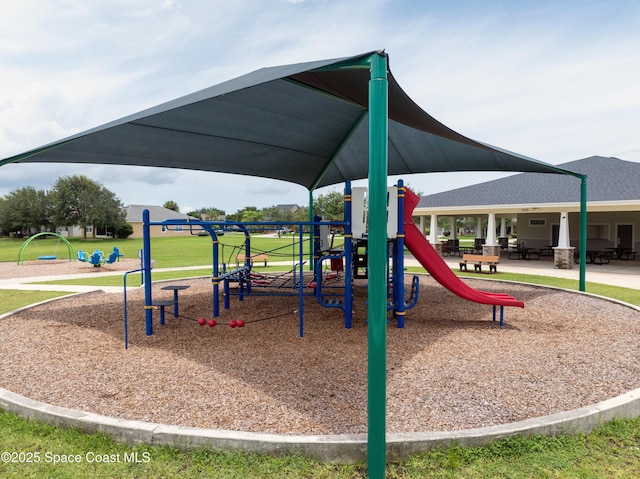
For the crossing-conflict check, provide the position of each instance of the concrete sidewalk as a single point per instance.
(25, 283)
(616, 273)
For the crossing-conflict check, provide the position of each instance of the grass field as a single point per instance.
(612, 450)
(168, 252)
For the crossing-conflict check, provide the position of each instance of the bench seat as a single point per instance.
(241, 258)
(477, 260)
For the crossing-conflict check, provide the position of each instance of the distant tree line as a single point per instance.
(329, 206)
(72, 201)
(79, 201)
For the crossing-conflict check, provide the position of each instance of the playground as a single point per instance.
(247, 365)
(450, 368)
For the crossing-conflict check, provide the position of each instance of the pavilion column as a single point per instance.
(453, 234)
(479, 227)
(563, 253)
(433, 233)
(490, 247)
(503, 240)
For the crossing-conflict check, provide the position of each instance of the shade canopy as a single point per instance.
(305, 123)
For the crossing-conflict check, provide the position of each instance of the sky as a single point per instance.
(553, 80)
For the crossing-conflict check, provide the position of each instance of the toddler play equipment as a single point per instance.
(49, 254)
(98, 258)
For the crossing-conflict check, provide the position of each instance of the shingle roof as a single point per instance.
(287, 207)
(156, 213)
(608, 179)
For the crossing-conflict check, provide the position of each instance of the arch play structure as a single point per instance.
(48, 253)
(334, 268)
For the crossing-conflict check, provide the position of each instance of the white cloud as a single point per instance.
(552, 80)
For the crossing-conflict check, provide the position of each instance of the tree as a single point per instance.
(273, 213)
(330, 206)
(247, 214)
(171, 205)
(109, 211)
(251, 214)
(26, 209)
(207, 213)
(302, 214)
(3, 210)
(78, 200)
(122, 230)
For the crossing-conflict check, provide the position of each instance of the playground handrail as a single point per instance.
(126, 324)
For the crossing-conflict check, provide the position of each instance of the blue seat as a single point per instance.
(97, 258)
(113, 257)
(117, 252)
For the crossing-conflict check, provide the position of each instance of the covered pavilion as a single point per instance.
(314, 124)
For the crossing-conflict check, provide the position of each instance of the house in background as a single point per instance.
(288, 208)
(547, 206)
(133, 216)
(78, 231)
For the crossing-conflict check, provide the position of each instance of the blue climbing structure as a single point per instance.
(334, 268)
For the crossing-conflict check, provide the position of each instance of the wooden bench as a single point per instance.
(241, 258)
(477, 260)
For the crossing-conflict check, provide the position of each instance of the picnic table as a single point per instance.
(622, 253)
(595, 256)
(452, 247)
(522, 252)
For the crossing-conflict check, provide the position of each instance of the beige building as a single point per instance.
(546, 207)
(156, 213)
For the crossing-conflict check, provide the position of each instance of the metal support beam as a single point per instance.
(377, 245)
(146, 272)
(583, 234)
(311, 216)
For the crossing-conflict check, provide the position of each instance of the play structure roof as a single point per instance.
(305, 123)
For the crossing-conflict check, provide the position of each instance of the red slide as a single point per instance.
(430, 259)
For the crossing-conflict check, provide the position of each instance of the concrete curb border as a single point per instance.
(343, 448)
(339, 448)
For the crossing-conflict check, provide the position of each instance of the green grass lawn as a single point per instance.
(11, 300)
(612, 450)
(168, 252)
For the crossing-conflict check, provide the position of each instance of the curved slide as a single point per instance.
(430, 259)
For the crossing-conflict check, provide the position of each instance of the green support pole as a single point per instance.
(311, 216)
(583, 234)
(377, 246)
